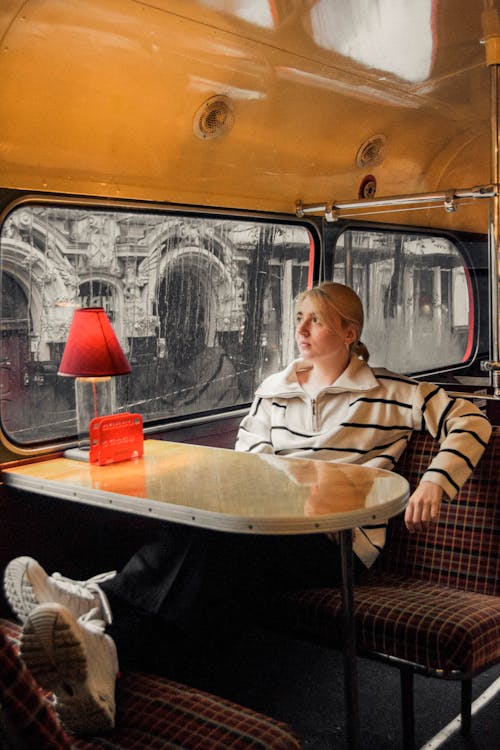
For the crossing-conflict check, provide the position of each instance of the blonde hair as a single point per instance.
(330, 296)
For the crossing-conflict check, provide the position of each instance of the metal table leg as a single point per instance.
(349, 644)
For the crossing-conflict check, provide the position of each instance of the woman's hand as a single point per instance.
(423, 507)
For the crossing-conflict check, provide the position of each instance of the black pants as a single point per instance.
(192, 587)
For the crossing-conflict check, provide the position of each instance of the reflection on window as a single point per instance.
(202, 308)
(389, 36)
(259, 12)
(416, 297)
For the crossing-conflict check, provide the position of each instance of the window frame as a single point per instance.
(473, 249)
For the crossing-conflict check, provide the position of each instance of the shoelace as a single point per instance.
(82, 587)
(87, 589)
(92, 621)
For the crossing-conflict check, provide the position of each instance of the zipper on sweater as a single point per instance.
(314, 414)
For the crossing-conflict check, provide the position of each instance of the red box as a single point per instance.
(114, 438)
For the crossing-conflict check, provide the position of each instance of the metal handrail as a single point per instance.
(449, 198)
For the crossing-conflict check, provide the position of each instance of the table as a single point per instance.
(246, 493)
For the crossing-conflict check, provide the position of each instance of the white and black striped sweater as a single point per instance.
(366, 417)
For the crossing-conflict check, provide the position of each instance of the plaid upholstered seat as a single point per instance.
(417, 621)
(432, 600)
(153, 713)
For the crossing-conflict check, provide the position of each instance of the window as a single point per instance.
(201, 306)
(415, 291)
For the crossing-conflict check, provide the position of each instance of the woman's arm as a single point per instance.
(463, 432)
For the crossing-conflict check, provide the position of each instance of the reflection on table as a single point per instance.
(226, 490)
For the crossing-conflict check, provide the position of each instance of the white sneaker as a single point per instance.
(76, 661)
(27, 585)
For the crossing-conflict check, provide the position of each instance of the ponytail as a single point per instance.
(359, 350)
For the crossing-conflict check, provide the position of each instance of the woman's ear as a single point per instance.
(350, 334)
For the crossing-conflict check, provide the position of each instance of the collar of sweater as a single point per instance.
(358, 376)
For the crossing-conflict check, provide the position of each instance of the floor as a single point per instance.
(302, 684)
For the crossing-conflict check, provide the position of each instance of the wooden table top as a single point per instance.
(224, 489)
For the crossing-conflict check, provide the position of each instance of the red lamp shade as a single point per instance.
(92, 349)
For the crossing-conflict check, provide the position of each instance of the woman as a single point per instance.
(331, 405)
(328, 405)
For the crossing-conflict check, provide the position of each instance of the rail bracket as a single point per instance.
(331, 213)
(450, 205)
(494, 368)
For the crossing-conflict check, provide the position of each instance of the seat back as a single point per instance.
(27, 718)
(462, 550)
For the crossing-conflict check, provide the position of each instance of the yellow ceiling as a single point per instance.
(98, 97)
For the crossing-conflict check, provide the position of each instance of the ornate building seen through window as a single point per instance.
(201, 306)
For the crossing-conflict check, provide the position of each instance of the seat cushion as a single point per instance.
(153, 713)
(419, 621)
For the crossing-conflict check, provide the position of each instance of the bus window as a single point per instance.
(416, 294)
(201, 306)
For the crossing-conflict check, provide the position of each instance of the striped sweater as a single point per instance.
(365, 417)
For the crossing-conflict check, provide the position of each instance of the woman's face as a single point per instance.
(317, 340)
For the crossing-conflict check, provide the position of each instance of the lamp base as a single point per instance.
(94, 397)
(78, 454)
